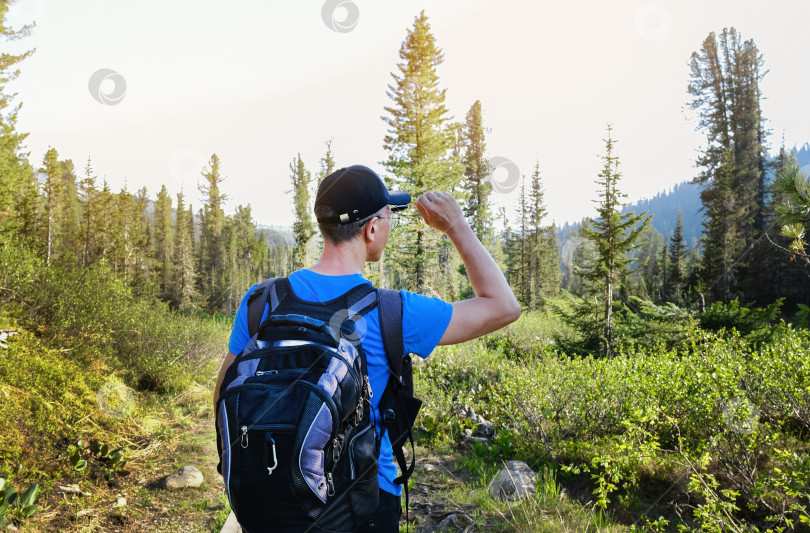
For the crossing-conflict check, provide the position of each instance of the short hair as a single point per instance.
(335, 232)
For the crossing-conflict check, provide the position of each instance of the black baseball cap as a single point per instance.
(355, 193)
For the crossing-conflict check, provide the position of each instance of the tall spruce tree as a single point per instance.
(677, 261)
(327, 161)
(88, 192)
(724, 85)
(519, 257)
(15, 171)
(67, 243)
(303, 229)
(212, 245)
(420, 152)
(184, 287)
(164, 242)
(544, 260)
(476, 173)
(53, 196)
(614, 235)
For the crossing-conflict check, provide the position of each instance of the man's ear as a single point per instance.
(371, 230)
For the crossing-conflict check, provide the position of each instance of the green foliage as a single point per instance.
(420, 157)
(614, 235)
(709, 416)
(303, 228)
(753, 322)
(16, 506)
(726, 96)
(95, 315)
(792, 190)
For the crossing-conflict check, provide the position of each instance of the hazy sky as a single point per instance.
(259, 81)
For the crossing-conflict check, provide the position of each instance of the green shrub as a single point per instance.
(750, 321)
(96, 316)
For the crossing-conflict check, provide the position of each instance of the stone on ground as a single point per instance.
(514, 482)
(188, 476)
(231, 525)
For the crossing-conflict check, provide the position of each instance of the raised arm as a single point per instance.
(494, 305)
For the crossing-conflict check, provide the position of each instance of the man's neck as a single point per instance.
(340, 260)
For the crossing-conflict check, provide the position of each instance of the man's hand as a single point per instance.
(440, 210)
(494, 305)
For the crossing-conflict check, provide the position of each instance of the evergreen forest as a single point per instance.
(657, 380)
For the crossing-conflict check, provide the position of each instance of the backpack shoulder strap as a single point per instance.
(390, 310)
(266, 292)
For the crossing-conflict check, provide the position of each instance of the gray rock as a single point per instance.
(231, 525)
(188, 476)
(514, 482)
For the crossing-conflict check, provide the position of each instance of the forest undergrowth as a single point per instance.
(105, 393)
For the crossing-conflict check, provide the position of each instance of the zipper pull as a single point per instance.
(369, 392)
(244, 437)
(358, 413)
(330, 486)
(335, 450)
(275, 459)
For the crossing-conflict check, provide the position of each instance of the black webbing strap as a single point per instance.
(390, 311)
(398, 394)
(263, 294)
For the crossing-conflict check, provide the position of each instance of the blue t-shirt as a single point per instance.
(424, 321)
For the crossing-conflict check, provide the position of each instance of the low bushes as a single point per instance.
(721, 420)
(97, 317)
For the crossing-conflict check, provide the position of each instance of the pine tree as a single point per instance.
(184, 293)
(88, 193)
(664, 272)
(212, 246)
(476, 172)
(67, 234)
(105, 207)
(143, 266)
(327, 161)
(15, 171)
(419, 145)
(53, 196)
(677, 262)
(544, 263)
(614, 235)
(724, 84)
(302, 226)
(519, 257)
(27, 212)
(164, 241)
(723, 240)
(791, 190)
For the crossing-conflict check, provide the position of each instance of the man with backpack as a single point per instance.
(319, 374)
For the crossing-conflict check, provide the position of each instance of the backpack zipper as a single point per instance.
(351, 448)
(335, 354)
(330, 403)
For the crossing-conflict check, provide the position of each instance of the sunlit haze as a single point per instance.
(257, 82)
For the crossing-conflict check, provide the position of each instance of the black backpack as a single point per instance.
(297, 446)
